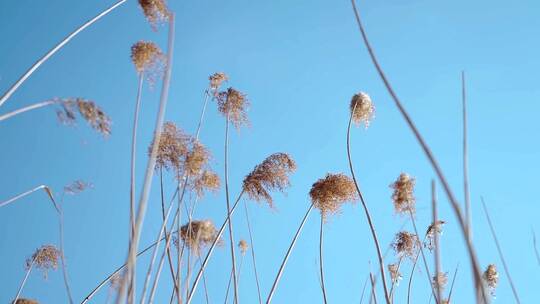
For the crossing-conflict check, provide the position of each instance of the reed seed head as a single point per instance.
(395, 275)
(25, 301)
(77, 187)
(243, 245)
(406, 244)
(148, 58)
(272, 174)
(198, 234)
(329, 193)
(156, 11)
(403, 195)
(196, 159)
(207, 181)
(491, 277)
(434, 228)
(440, 279)
(44, 258)
(93, 114)
(362, 109)
(233, 104)
(172, 149)
(217, 79)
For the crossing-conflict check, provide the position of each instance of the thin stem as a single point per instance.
(366, 211)
(284, 262)
(452, 285)
(143, 201)
(363, 290)
(252, 247)
(167, 249)
(62, 255)
(437, 243)
(211, 249)
(230, 279)
(480, 290)
(204, 282)
(42, 60)
(231, 235)
(499, 250)
(466, 192)
(535, 247)
(44, 187)
(28, 108)
(25, 279)
(373, 293)
(321, 261)
(411, 277)
(392, 287)
(201, 118)
(428, 274)
(133, 158)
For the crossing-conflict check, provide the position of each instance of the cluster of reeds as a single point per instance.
(187, 244)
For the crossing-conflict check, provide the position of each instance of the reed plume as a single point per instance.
(440, 280)
(148, 60)
(491, 278)
(233, 104)
(25, 301)
(328, 194)
(198, 234)
(403, 195)
(172, 149)
(45, 258)
(395, 275)
(156, 11)
(434, 228)
(216, 80)
(88, 110)
(406, 244)
(362, 109)
(270, 175)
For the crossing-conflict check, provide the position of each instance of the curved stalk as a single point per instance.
(44, 187)
(286, 258)
(28, 108)
(499, 250)
(480, 291)
(411, 277)
(133, 156)
(252, 247)
(55, 49)
(141, 211)
(366, 211)
(211, 249)
(321, 261)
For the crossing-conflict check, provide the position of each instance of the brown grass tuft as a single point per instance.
(156, 11)
(45, 259)
(441, 279)
(234, 104)
(93, 114)
(406, 244)
(362, 109)
(173, 148)
(196, 159)
(491, 277)
(198, 234)
(25, 301)
(206, 181)
(148, 58)
(329, 193)
(217, 79)
(403, 195)
(243, 245)
(271, 174)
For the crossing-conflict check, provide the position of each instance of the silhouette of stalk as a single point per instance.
(55, 49)
(452, 285)
(29, 108)
(363, 290)
(411, 277)
(373, 293)
(26, 275)
(366, 211)
(499, 250)
(321, 265)
(252, 247)
(286, 258)
(535, 247)
(437, 243)
(133, 158)
(466, 192)
(427, 151)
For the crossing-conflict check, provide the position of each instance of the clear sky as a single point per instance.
(299, 62)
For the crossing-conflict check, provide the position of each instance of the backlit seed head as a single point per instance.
(172, 149)
(25, 301)
(88, 110)
(233, 104)
(272, 174)
(243, 245)
(403, 195)
(491, 277)
(198, 234)
(196, 159)
(77, 187)
(148, 58)
(440, 279)
(328, 194)
(156, 11)
(406, 244)
(216, 80)
(206, 181)
(362, 109)
(395, 275)
(44, 259)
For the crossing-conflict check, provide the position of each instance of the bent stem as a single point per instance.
(141, 211)
(499, 250)
(366, 211)
(44, 187)
(253, 252)
(411, 277)
(28, 108)
(211, 249)
(286, 258)
(321, 266)
(480, 290)
(55, 49)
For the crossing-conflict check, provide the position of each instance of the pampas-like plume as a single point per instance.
(198, 234)
(25, 301)
(207, 180)
(196, 159)
(403, 195)
(491, 277)
(434, 228)
(216, 80)
(77, 187)
(362, 109)
(271, 174)
(172, 149)
(233, 104)
(329, 193)
(395, 275)
(93, 114)
(440, 279)
(406, 244)
(243, 245)
(44, 258)
(148, 58)
(156, 11)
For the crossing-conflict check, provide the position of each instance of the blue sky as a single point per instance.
(299, 62)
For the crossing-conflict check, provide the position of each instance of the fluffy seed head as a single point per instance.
(44, 258)
(25, 301)
(362, 109)
(198, 234)
(217, 79)
(77, 187)
(434, 228)
(491, 277)
(233, 104)
(196, 159)
(272, 174)
(403, 195)
(440, 279)
(329, 193)
(172, 149)
(207, 181)
(93, 114)
(148, 58)
(156, 11)
(406, 244)
(243, 245)
(395, 275)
